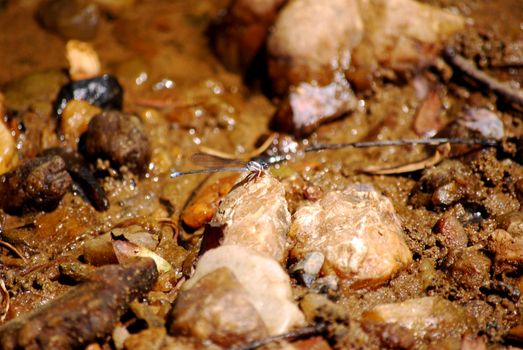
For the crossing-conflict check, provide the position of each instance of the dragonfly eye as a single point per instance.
(262, 164)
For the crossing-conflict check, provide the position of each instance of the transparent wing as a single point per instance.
(211, 161)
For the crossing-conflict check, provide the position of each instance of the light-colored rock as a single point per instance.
(308, 105)
(359, 233)
(311, 39)
(255, 215)
(266, 283)
(507, 251)
(217, 308)
(83, 60)
(307, 269)
(403, 34)
(8, 154)
(75, 120)
(429, 316)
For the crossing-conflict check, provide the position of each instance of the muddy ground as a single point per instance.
(186, 99)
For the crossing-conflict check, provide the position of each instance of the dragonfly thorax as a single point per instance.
(256, 166)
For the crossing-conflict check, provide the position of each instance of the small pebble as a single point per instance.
(325, 284)
(307, 269)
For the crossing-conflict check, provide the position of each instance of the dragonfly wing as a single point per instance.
(211, 161)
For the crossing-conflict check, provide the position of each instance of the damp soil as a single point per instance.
(186, 99)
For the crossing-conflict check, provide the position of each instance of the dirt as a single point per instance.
(186, 98)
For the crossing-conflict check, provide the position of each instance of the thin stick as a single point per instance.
(246, 156)
(469, 69)
(388, 143)
(6, 301)
(295, 334)
(13, 248)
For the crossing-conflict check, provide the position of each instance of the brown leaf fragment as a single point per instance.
(427, 121)
(203, 206)
(85, 313)
(13, 249)
(245, 156)
(126, 251)
(516, 334)
(438, 156)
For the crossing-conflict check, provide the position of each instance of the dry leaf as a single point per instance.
(427, 120)
(440, 154)
(246, 156)
(126, 250)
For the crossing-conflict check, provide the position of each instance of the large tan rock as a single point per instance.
(403, 34)
(359, 233)
(266, 284)
(311, 39)
(254, 215)
(432, 317)
(217, 308)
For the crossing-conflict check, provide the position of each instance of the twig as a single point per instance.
(438, 156)
(388, 143)
(469, 69)
(292, 335)
(169, 222)
(246, 156)
(6, 301)
(13, 248)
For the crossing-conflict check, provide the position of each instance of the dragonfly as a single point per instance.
(257, 166)
(215, 164)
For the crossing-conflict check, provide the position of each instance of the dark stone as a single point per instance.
(82, 176)
(38, 184)
(104, 91)
(119, 138)
(71, 19)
